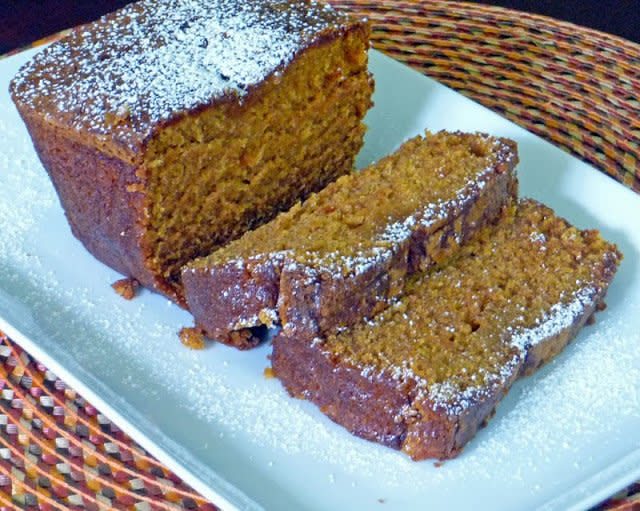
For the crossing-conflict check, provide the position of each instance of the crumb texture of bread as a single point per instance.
(426, 373)
(171, 127)
(192, 338)
(345, 252)
(127, 288)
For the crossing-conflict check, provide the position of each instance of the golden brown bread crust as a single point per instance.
(117, 81)
(102, 213)
(309, 300)
(396, 412)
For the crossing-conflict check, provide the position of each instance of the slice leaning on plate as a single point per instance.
(341, 255)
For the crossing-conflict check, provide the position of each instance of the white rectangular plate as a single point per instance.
(566, 437)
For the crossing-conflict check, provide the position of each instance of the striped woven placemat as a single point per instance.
(57, 451)
(575, 87)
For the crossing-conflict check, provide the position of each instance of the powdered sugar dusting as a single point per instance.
(431, 215)
(559, 317)
(453, 399)
(337, 263)
(154, 60)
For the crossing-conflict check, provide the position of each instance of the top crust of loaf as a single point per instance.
(132, 71)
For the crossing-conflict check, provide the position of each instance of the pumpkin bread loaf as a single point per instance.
(345, 252)
(173, 126)
(426, 373)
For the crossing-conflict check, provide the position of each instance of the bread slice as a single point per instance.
(425, 374)
(345, 252)
(171, 127)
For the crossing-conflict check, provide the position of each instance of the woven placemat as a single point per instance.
(57, 451)
(575, 87)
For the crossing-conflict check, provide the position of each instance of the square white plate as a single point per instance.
(566, 437)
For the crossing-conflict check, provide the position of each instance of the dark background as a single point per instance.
(619, 17)
(24, 21)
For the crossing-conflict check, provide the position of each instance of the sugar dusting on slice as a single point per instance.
(454, 399)
(453, 393)
(368, 253)
(154, 59)
(559, 317)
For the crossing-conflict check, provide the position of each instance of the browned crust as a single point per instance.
(366, 407)
(381, 409)
(93, 191)
(211, 295)
(310, 303)
(132, 152)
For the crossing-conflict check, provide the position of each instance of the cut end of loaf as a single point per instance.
(233, 168)
(199, 121)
